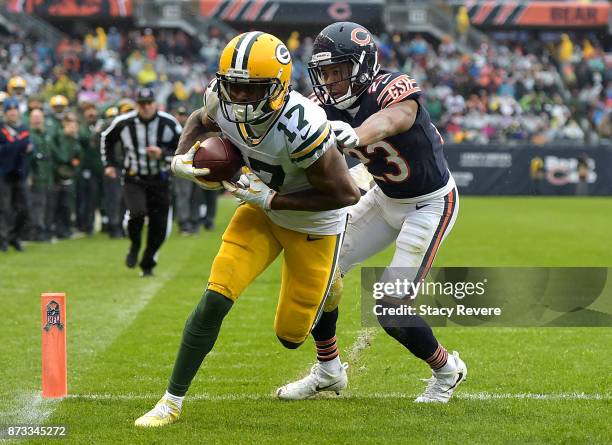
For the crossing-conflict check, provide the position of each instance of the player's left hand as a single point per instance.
(251, 189)
(346, 137)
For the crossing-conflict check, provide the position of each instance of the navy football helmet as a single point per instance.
(338, 43)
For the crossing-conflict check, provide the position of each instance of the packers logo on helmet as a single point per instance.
(254, 77)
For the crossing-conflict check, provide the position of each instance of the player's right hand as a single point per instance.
(346, 137)
(182, 166)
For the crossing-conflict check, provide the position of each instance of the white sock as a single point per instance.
(178, 401)
(449, 366)
(332, 366)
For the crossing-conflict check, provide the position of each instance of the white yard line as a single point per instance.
(104, 327)
(536, 396)
(378, 395)
(32, 408)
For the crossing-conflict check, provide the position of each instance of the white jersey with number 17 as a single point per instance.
(299, 135)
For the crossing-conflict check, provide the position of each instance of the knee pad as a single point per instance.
(335, 292)
(289, 344)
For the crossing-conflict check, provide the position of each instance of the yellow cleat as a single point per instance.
(164, 413)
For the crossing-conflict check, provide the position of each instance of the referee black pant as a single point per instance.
(147, 196)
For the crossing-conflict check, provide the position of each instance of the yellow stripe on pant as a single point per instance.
(251, 242)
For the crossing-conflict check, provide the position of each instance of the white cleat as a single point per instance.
(441, 385)
(317, 381)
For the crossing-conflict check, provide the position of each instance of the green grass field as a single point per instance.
(525, 385)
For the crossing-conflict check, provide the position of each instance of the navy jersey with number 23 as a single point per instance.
(409, 164)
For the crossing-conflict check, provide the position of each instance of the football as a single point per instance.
(220, 156)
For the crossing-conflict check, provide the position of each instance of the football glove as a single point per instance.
(251, 189)
(346, 137)
(182, 166)
(362, 177)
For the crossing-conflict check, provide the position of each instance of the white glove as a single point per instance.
(346, 137)
(182, 166)
(251, 189)
(361, 176)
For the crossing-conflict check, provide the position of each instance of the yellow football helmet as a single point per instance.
(126, 105)
(111, 112)
(16, 85)
(254, 77)
(58, 101)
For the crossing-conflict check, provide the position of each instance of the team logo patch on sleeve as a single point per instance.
(53, 316)
(397, 90)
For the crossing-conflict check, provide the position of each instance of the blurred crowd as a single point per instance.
(64, 95)
(513, 92)
(106, 66)
(517, 91)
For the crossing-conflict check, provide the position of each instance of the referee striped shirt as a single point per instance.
(135, 135)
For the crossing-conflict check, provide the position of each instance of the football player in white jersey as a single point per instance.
(379, 119)
(294, 200)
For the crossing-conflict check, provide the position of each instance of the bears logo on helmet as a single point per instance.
(361, 36)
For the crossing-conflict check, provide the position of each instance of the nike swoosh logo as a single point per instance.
(420, 207)
(459, 378)
(321, 388)
(310, 238)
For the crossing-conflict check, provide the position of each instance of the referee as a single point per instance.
(148, 139)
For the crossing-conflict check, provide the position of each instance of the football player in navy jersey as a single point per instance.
(378, 119)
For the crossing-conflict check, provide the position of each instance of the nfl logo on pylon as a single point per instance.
(53, 316)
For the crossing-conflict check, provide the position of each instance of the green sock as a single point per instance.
(199, 336)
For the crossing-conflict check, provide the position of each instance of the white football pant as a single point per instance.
(418, 229)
